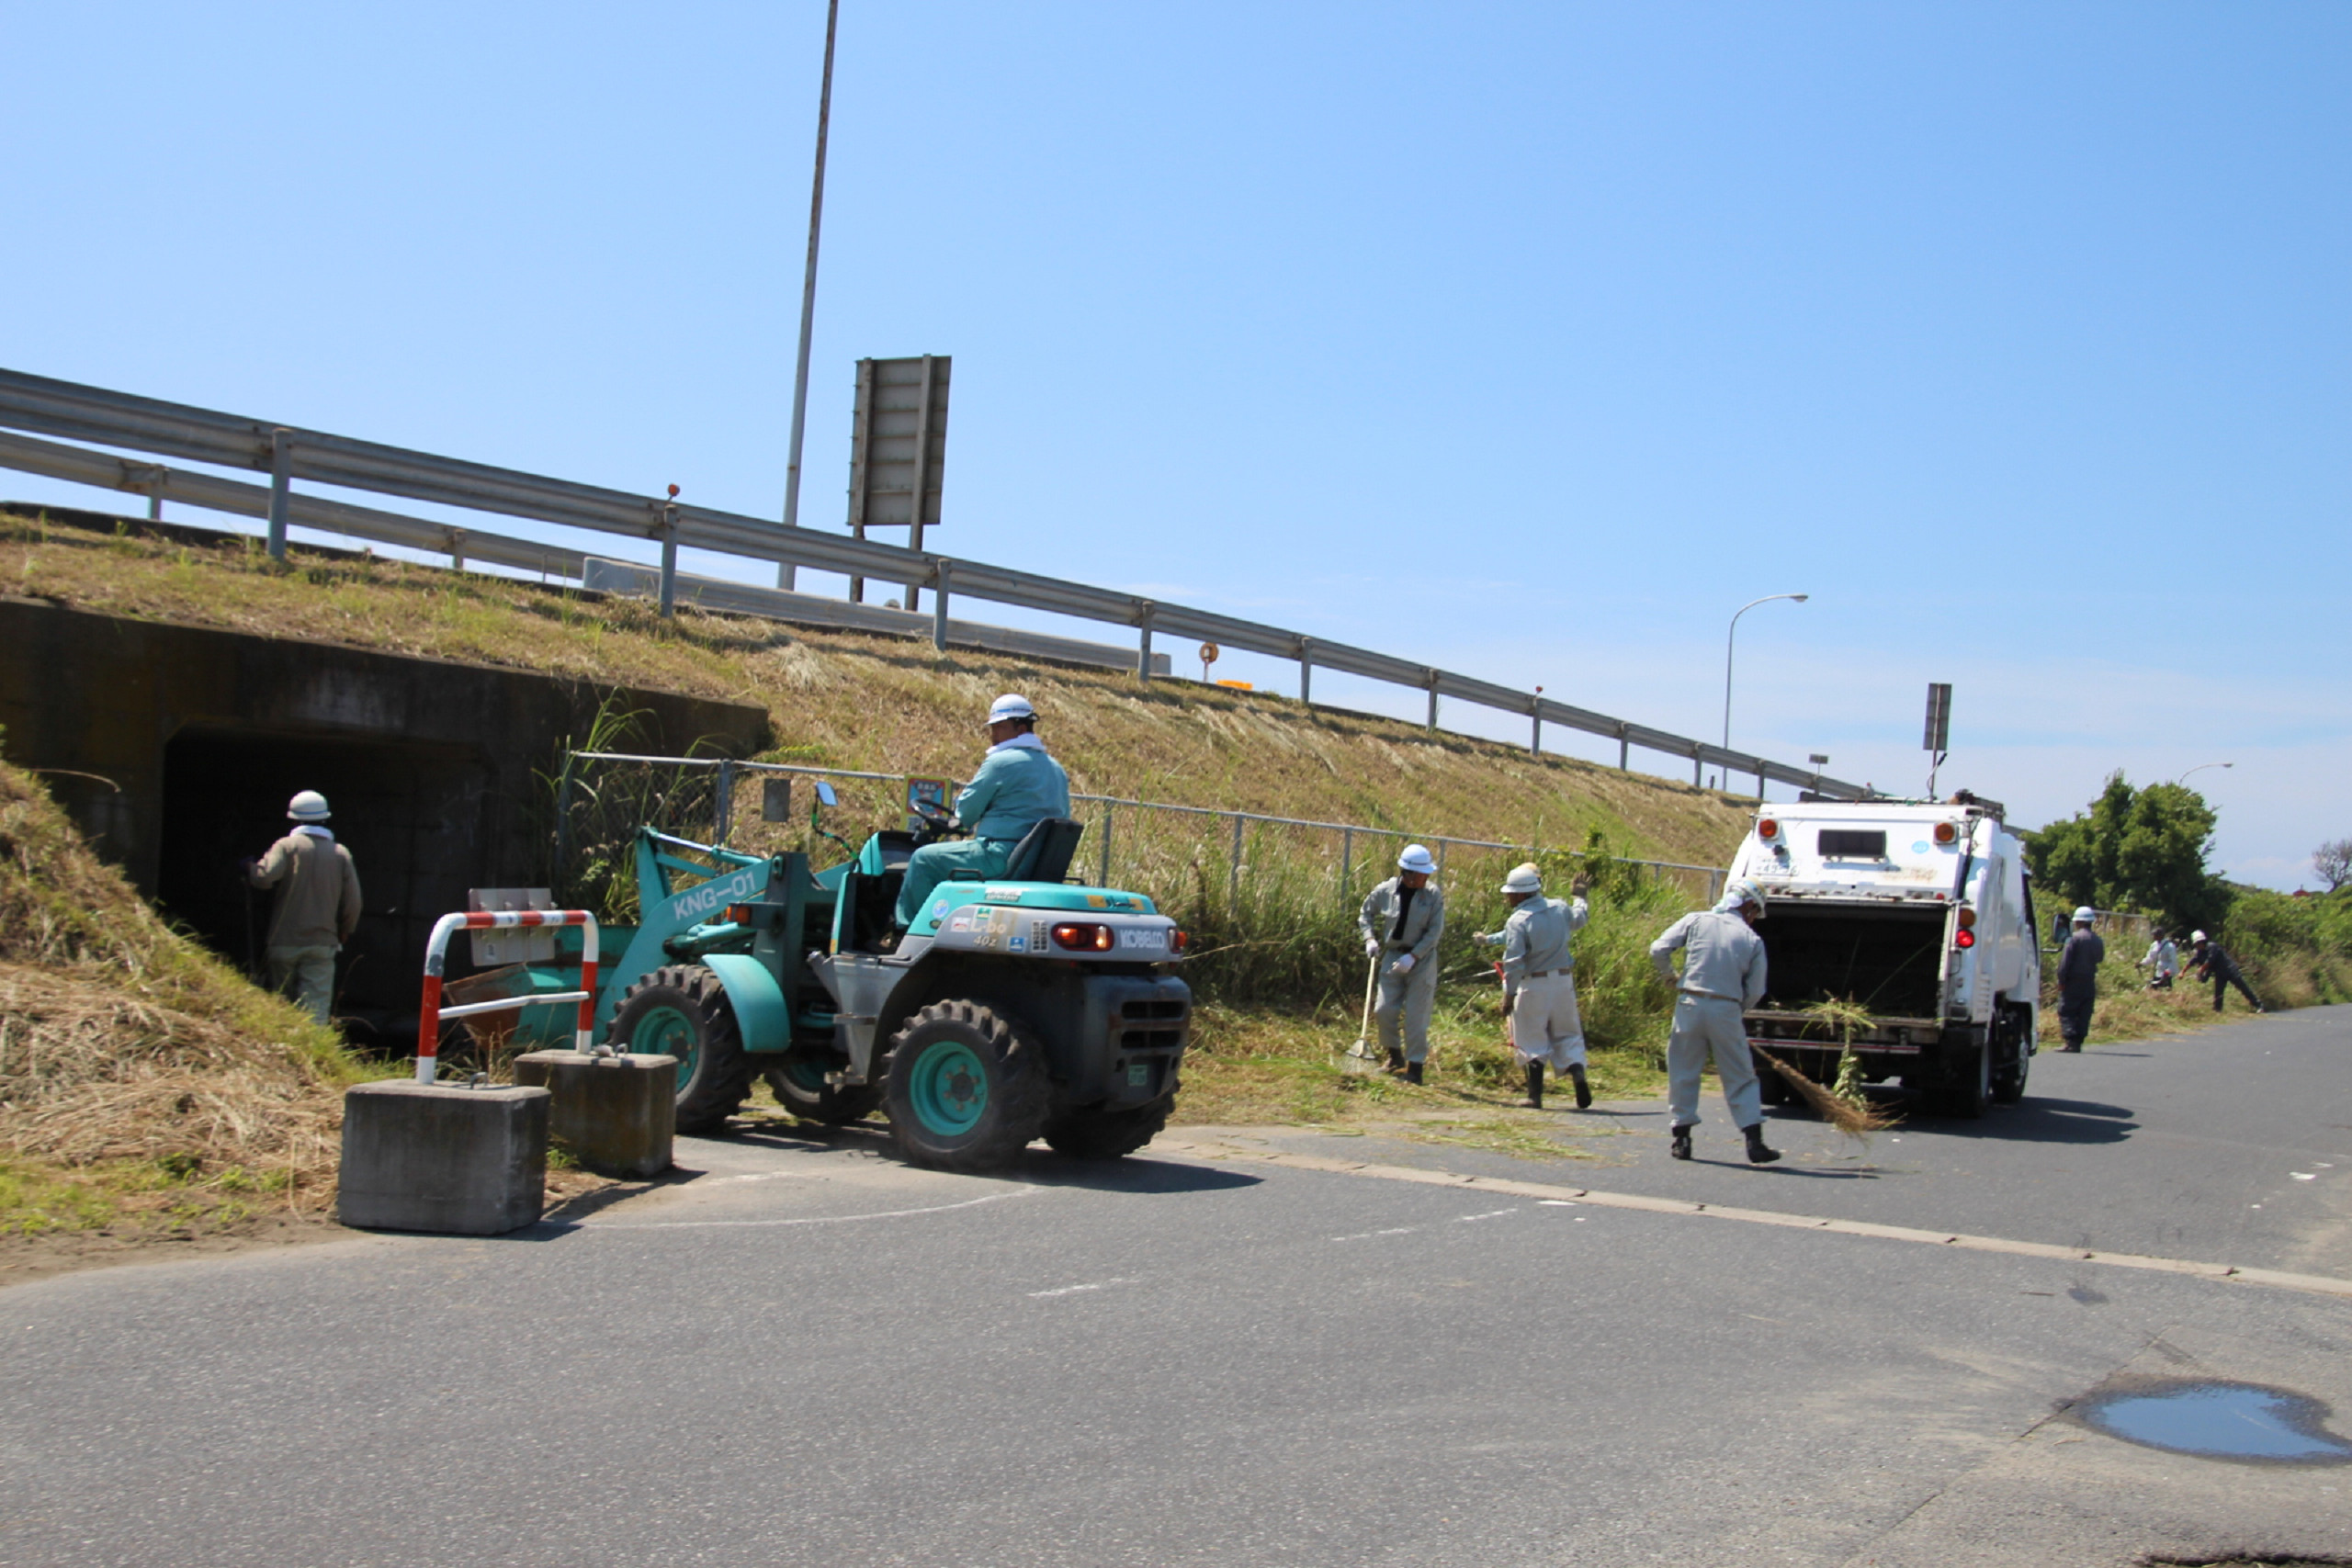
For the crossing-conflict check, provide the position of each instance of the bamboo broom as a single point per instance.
(1857, 1121)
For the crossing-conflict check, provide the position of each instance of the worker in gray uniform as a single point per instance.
(2078, 964)
(1401, 922)
(1723, 976)
(317, 907)
(1539, 979)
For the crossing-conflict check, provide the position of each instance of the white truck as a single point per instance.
(1920, 914)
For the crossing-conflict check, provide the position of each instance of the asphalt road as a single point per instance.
(810, 1354)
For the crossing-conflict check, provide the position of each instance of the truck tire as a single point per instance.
(2009, 1073)
(967, 1087)
(1968, 1082)
(1097, 1133)
(800, 1088)
(681, 1010)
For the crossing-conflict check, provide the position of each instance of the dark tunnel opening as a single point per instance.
(414, 815)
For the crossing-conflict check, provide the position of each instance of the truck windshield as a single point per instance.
(1853, 843)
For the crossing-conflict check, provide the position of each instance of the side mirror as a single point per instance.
(825, 794)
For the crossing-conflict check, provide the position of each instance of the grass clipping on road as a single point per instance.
(142, 1079)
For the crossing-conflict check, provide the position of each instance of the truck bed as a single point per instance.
(1886, 958)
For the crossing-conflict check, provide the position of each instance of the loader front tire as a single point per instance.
(967, 1088)
(1108, 1135)
(681, 1010)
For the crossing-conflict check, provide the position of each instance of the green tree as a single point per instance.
(2136, 849)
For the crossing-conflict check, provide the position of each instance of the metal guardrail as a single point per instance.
(101, 417)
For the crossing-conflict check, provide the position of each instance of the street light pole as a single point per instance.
(1728, 638)
(2201, 767)
(787, 574)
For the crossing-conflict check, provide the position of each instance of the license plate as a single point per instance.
(1143, 939)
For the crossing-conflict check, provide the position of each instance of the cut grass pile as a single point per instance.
(141, 1078)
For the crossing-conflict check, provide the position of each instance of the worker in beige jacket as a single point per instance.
(317, 908)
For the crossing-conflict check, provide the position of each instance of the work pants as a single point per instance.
(306, 974)
(2221, 984)
(1704, 1027)
(1544, 1022)
(2074, 1005)
(935, 864)
(2161, 983)
(1406, 1002)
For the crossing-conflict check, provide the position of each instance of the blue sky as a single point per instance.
(1529, 341)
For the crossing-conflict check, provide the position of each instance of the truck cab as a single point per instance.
(1904, 932)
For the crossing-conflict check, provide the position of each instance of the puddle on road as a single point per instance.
(2218, 1420)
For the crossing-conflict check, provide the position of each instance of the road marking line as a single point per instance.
(1366, 1235)
(1074, 1290)
(815, 1219)
(1489, 1214)
(1959, 1241)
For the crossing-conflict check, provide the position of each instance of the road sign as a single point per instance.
(898, 449)
(1939, 718)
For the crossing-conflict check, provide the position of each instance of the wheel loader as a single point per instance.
(1017, 1006)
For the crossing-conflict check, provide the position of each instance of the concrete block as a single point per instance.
(435, 1157)
(617, 1115)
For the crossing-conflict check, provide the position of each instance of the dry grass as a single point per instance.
(131, 1062)
(889, 705)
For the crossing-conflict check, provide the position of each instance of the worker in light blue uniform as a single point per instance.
(1018, 785)
(1723, 976)
(1540, 982)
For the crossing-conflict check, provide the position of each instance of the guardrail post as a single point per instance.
(1233, 879)
(1347, 858)
(1625, 752)
(1441, 857)
(281, 481)
(1432, 724)
(1104, 880)
(1143, 655)
(1698, 765)
(938, 609)
(456, 550)
(669, 561)
(1535, 731)
(723, 808)
(1760, 781)
(1305, 672)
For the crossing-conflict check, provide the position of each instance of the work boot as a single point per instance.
(1395, 1060)
(1583, 1090)
(1757, 1153)
(1680, 1148)
(1535, 1086)
(1412, 1072)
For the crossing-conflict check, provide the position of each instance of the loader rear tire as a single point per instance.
(967, 1088)
(800, 1088)
(681, 1010)
(1108, 1135)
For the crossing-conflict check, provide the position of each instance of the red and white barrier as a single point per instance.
(429, 1017)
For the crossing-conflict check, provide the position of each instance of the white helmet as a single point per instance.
(1743, 891)
(309, 806)
(2086, 915)
(1525, 878)
(1416, 857)
(2195, 937)
(1011, 705)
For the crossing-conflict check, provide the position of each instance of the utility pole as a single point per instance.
(787, 574)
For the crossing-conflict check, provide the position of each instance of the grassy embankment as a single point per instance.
(1280, 973)
(144, 1083)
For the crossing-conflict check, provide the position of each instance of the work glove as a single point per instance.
(1580, 887)
(1404, 965)
(1372, 947)
(1491, 938)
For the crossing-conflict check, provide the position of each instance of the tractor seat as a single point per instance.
(1043, 853)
